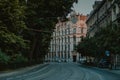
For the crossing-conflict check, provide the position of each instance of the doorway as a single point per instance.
(74, 58)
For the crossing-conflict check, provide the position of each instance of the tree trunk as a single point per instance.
(33, 48)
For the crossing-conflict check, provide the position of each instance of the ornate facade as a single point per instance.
(65, 38)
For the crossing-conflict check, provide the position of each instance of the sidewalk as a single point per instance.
(115, 71)
(21, 70)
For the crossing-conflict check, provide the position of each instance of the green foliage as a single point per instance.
(42, 15)
(11, 23)
(18, 58)
(4, 59)
(12, 15)
(27, 27)
(11, 43)
(87, 47)
(107, 38)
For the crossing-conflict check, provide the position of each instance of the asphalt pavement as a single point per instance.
(63, 71)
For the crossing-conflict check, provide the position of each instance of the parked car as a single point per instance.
(59, 61)
(104, 63)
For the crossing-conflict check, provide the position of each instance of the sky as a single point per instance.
(84, 6)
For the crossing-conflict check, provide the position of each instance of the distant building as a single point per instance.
(104, 12)
(65, 38)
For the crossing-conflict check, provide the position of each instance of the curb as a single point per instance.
(108, 70)
(21, 70)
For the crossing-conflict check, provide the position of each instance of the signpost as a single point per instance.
(107, 53)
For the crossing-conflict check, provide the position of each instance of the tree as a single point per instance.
(41, 19)
(11, 23)
(109, 38)
(27, 27)
(12, 16)
(87, 47)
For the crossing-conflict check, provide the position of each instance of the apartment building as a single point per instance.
(65, 37)
(104, 13)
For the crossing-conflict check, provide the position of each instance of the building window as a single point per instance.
(65, 31)
(74, 30)
(81, 30)
(59, 33)
(62, 32)
(74, 42)
(68, 39)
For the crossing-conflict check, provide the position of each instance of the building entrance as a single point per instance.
(74, 58)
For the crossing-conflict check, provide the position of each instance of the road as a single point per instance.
(64, 71)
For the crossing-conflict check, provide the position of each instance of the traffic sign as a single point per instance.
(107, 53)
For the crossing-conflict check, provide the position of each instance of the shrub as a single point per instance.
(4, 59)
(18, 58)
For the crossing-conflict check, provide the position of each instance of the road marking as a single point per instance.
(9, 78)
